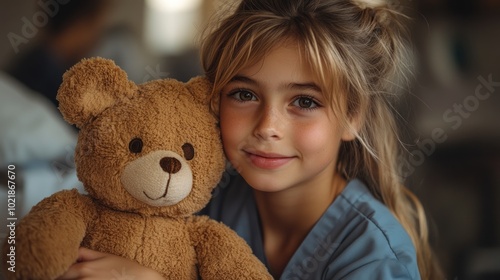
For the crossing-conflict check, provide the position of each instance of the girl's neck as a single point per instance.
(288, 216)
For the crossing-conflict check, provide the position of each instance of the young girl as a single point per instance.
(302, 90)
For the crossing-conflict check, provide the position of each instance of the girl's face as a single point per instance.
(277, 128)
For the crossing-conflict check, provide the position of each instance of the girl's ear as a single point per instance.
(200, 87)
(353, 127)
(91, 86)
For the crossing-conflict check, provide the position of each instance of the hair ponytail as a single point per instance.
(377, 160)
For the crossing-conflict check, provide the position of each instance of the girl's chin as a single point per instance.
(268, 183)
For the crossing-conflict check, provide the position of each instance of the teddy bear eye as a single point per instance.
(135, 145)
(188, 151)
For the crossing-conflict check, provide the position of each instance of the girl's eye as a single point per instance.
(305, 102)
(243, 95)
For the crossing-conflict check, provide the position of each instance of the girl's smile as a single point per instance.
(267, 160)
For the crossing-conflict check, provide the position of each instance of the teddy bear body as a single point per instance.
(148, 156)
(150, 241)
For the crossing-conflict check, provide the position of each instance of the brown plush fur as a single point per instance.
(142, 194)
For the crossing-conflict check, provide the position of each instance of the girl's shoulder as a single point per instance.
(357, 238)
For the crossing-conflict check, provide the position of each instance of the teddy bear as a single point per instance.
(148, 156)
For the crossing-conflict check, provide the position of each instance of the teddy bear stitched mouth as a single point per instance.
(164, 194)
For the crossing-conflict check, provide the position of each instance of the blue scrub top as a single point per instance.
(356, 238)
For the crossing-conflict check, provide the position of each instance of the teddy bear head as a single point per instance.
(152, 149)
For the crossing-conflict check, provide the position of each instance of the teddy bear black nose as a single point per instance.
(170, 165)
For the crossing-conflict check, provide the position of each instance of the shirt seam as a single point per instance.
(375, 224)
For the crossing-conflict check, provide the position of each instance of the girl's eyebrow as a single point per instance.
(298, 86)
(244, 79)
(305, 86)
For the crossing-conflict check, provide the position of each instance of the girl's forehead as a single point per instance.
(287, 47)
(287, 58)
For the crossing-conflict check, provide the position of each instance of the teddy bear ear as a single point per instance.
(201, 88)
(91, 86)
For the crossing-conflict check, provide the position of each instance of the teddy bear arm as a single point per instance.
(48, 237)
(222, 254)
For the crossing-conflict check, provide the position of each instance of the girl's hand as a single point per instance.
(96, 265)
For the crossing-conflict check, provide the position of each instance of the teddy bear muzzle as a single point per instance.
(160, 178)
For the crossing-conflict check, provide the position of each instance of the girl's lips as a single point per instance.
(268, 161)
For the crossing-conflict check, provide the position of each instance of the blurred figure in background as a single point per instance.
(37, 141)
(67, 37)
(33, 136)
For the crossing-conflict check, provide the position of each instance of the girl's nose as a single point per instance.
(269, 125)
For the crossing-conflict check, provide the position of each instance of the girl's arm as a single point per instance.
(96, 265)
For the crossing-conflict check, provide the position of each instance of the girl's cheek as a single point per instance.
(314, 137)
(229, 130)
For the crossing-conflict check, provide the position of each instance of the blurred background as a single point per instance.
(450, 115)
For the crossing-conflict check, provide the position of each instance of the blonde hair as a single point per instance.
(360, 56)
